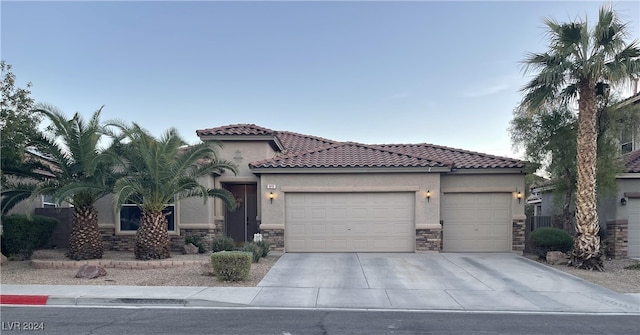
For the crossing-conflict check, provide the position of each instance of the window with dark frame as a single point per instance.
(130, 215)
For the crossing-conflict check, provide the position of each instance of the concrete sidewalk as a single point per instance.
(350, 298)
(445, 282)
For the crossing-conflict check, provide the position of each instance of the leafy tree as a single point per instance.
(580, 58)
(79, 171)
(161, 171)
(17, 124)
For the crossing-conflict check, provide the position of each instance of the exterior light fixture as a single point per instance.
(623, 201)
(271, 196)
(428, 194)
(519, 196)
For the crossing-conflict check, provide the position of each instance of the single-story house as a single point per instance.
(310, 194)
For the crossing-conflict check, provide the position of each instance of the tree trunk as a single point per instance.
(85, 240)
(586, 253)
(152, 238)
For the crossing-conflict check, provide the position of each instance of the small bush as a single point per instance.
(633, 267)
(195, 240)
(551, 239)
(231, 265)
(22, 235)
(254, 249)
(265, 245)
(222, 243)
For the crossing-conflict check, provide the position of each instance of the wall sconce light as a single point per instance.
(428, 195)
(623, 201)
(519, 196)
(271, 196)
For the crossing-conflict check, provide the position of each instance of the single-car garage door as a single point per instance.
(476, 222)
(350, 222)
(633, 248)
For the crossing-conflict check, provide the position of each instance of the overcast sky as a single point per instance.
(446, 73)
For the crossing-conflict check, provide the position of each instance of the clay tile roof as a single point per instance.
(462, 159)
(632, 161)
(294, 142)
(346, 155)
(236, 129)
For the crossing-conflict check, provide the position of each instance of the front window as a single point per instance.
(626, 141)
(48, 201)
(130, 216)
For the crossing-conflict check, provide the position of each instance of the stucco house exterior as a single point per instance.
(310, 194)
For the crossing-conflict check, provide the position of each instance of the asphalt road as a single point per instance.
(143, 321)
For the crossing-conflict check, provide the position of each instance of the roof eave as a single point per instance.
(489, 171)
(281, 170)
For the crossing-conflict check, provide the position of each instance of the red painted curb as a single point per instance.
(12, 299)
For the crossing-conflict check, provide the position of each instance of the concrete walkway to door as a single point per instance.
(460, 281)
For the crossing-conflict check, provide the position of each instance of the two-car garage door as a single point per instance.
(476, 222)
(350, 222)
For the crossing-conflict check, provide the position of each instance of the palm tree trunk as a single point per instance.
(85, 240)
(586, 253)
(152, 238)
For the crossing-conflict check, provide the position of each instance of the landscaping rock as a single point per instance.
(557, 258)
(190, 249)
(90, 271)
(4, 260)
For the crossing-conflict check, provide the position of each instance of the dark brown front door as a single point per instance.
(241, 224)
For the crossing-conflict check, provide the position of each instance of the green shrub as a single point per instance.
(195, 240)
(231, 265)
(254, 249)
(222, 243)
(265, 245)
(551, 239)
(22, 235)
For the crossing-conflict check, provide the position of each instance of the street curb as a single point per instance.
(15, 299)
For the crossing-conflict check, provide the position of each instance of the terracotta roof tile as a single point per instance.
(236, 129)
(632, 161)
(294, 142)
(462, 159)
(346, 155)
(312, 151)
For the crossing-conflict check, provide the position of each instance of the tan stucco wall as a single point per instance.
(498, 183)
(610, 207)
(427, 213)
(244, 152)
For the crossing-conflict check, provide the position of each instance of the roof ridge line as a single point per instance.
(443, 147)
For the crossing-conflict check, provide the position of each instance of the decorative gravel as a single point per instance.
(615, 277)
(21, 272)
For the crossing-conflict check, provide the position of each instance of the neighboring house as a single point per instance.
(310, 194)
(618, 214)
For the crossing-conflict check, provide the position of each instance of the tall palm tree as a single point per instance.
(76, 170)
(579, 60)
(161, 171)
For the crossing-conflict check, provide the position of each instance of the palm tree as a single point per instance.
(580, 60)
(163, 171)
(76, 170)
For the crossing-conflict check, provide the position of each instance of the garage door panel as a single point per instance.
(351, 221)
(477, 222)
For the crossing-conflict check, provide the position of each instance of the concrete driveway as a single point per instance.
(453, 281)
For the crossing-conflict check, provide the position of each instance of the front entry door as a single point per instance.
(241, 224)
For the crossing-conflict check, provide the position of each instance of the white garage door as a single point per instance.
(633, 248)
(349, 222)
(476, 222)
